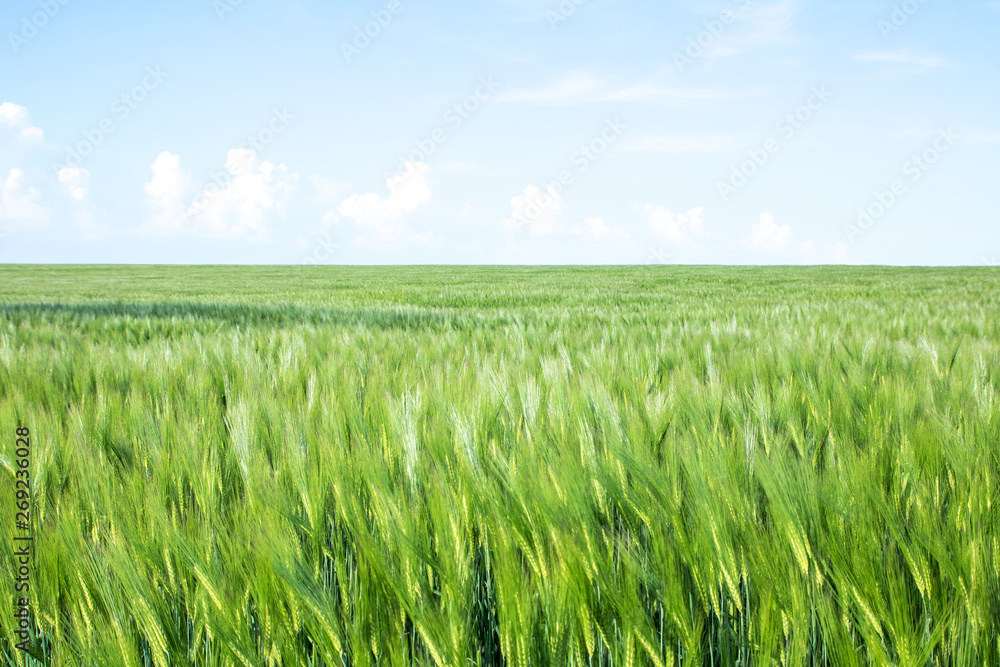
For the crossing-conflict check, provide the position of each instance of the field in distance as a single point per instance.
(504, 465)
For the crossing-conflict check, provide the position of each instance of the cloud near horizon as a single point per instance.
(678, 229)
(384, 216)
(770, 238)
(241, 202)
(535, 211)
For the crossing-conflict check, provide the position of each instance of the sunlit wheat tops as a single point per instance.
(588, 467)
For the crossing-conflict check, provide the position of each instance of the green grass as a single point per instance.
(506, 466)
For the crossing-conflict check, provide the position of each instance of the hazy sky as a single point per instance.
(500, 131)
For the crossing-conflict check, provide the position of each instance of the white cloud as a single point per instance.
(18, 118)
(167, 190)
(383, 216)
(32, 134)
(842, 254)
(769, 237)
(29, 199)
(535, 211)
(596, 230)
(758, 25)
(76, 182)
(19, 202)
(677, 228)
(769, 23)
(242, 208)
(14, 115)
(902, 57)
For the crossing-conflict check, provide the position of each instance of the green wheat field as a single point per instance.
(644, 466)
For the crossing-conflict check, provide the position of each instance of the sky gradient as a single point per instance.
(500, 132)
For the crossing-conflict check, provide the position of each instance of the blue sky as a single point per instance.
(500, 131)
